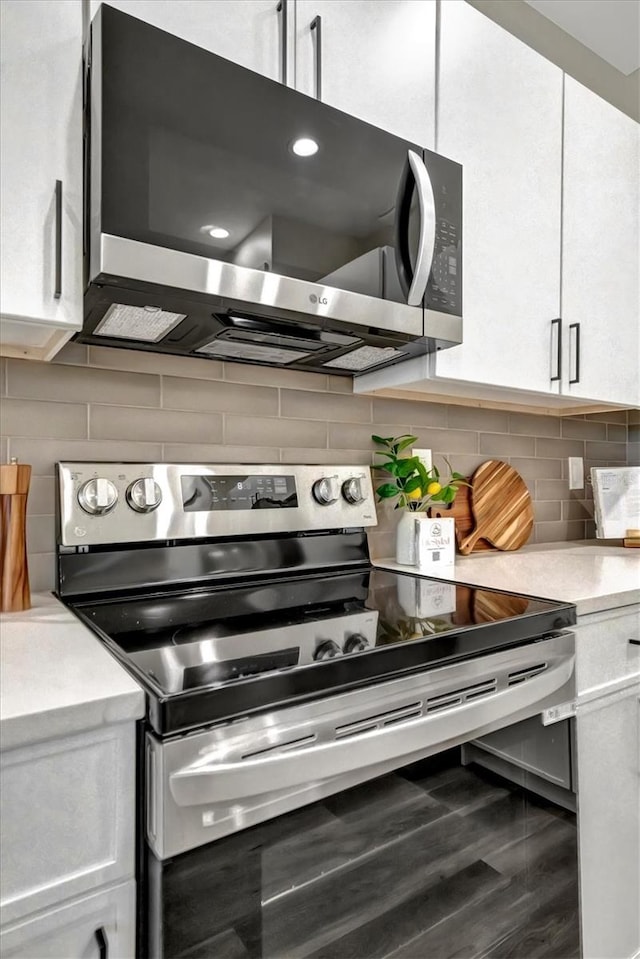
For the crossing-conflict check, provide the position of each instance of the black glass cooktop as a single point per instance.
(210, 654)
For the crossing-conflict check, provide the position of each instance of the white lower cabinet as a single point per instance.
(99, 926)
(608, 775)
(67, 836)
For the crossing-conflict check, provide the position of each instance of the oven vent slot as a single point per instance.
(379, 720)
(457, 697)
(281, 747)
(521, 675)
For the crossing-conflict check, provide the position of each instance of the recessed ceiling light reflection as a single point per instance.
(304, 147)
(218, 233)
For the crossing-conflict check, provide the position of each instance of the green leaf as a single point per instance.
(436, 473)
(382, 440)
(406, 466)
(413, 484)
(402, 442)
(387, 490)
(447, 495)
(423, 474)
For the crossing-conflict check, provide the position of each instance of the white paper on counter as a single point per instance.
(616, 495)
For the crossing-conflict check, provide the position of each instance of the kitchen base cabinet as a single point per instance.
(608, 774)
(67, 823)
(94, 927)
(41, 180)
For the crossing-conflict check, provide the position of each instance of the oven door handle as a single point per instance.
(207, 780)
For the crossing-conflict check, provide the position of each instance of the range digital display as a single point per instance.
(209, 493)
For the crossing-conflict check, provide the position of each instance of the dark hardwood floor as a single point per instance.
(433, 862)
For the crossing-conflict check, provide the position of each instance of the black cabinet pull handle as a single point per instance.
(316, 24)
(282, 9)
(57, 292)
(576, 327)
(635, 642)
(558, 374)
(103, 942)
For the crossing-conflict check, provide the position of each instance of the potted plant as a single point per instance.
(414, 488)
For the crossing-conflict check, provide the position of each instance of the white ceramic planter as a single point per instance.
(423, 542)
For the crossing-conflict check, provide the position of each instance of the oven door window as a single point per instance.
(438, 859)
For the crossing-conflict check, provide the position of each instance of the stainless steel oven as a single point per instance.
(301, 787)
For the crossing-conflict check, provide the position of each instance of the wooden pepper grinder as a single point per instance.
(14, 573)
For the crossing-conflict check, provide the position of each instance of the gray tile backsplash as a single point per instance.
(103, 404)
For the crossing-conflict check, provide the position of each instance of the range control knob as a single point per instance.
(327, 650)
(97, 496)
(352, 491)
(144, 495)
(356, 643)
(325, 491)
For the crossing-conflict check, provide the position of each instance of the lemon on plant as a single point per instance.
(433, 488)
(415, 494)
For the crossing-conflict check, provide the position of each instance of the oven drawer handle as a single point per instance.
(207, 780)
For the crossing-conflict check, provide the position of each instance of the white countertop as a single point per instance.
(594, 576)
(56, 678)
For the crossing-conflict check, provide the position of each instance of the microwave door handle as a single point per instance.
(427, 240)
(206, 780)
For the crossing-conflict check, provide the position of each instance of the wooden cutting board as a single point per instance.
(501, 506)
(460, 511)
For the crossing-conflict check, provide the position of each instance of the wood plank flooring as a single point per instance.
(433, 862)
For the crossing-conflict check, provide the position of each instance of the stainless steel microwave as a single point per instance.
(231, 217)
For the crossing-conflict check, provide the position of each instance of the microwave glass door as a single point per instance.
(199, 155)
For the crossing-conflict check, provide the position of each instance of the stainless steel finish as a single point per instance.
(216, 782)
(166, 665)
(144, 495)
(356, 644)
(557, 714)
(169, 521)
(97, 496)
(135, 261)
(325, 490)
(352, 490)
(328, 650)
(427, 239)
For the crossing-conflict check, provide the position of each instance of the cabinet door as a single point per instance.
(248, 32)
(600, 249)
(95, 927)
(377, 61)
(500, 115)
(608, 772)
(68, 818)
(40, 143)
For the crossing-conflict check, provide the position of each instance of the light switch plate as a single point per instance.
(425, 457)
(576, 472)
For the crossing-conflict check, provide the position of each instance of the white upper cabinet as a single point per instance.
(41, 175)
(247, 32)
(600, 250)
(375, 60)
(500, 115)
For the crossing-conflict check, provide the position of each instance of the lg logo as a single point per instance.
(319, 299)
